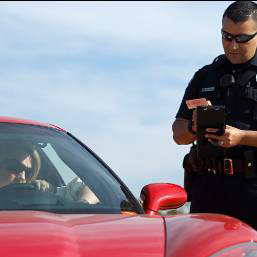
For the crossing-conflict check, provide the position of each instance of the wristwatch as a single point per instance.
(190, 127)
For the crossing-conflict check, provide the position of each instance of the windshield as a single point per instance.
(46, 169)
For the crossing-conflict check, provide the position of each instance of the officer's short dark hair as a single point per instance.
(241, 11)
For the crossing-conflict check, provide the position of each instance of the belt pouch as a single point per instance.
(249, 164)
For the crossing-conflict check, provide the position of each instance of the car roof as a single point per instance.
(7, 119)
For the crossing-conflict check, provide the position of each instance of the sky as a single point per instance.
(111, 73)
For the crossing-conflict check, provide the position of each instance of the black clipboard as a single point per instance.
(212, 116)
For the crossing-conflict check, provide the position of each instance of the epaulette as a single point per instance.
(219, 60)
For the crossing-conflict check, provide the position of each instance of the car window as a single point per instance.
(46, 169)
(66, 173)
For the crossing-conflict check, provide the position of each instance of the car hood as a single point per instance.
(204, 234)
(41, 234)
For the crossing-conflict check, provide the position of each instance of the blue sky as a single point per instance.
(112, 73)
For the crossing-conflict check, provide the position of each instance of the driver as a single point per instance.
(20, 163)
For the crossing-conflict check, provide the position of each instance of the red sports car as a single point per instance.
(58, 198)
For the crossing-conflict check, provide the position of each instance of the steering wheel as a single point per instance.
(27, 196)
(17, 186)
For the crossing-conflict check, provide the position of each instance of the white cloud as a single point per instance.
(112, 73)
(115, 27)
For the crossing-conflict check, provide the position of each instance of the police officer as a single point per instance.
(231, 81)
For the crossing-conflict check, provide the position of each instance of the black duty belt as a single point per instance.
(227, 166)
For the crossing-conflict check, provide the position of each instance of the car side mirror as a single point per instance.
(162, 196)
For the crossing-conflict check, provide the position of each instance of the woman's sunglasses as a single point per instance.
(14, 166)
(242, 38)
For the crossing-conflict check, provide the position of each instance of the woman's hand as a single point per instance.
(43, 185)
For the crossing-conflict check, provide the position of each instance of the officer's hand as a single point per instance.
(232, 136)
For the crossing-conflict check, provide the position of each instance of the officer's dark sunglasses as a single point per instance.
(242, 38)
(14, 166)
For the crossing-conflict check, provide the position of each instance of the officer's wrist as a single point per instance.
(190, 127)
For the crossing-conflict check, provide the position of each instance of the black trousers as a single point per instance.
(234, 195)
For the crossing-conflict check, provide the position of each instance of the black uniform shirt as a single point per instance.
(240, 99)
